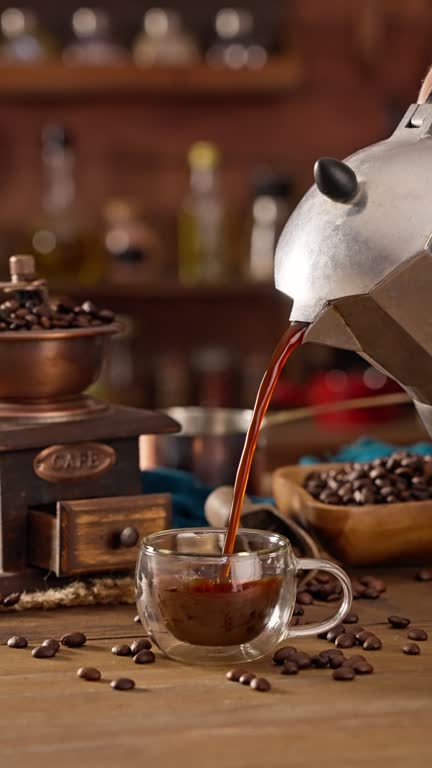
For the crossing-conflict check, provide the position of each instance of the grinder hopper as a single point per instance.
(356, 256)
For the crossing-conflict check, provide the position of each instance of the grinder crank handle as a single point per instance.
(307, 564)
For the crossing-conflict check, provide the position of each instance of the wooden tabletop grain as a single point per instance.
(192, 716)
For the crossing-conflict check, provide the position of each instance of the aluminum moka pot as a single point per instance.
(356, 255)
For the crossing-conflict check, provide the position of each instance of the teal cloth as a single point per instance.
(189, 494)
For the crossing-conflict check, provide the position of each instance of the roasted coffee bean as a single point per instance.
(144, 657)
(303, 660)
(362, 668)
(304, 598)
(287, 652)
(43, 652)
(123, 684)
(323, 578)
(370, 594)
(344, 673)
(424, 574)
(246, 678)
(89, 673)
(234, 675)
(417, 634)
(374, 583)
(298, 610)
(10, 600)
(352, 618)
(74, 639)
(319, 661)
(289, 668)
(143, 644)
(121, 650)
(17, 642)
(398, 622)
(333, 633)
(411, 649)
(363, 635)
(137, 619)
(337, 661)
(322, 636)
(260, 684)
(346, 640)
(372, 643)
(52, 643)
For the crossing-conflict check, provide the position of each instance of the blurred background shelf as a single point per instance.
(53, 80)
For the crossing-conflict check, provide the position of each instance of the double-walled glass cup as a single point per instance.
(201, 606)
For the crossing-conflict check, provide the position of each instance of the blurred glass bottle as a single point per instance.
(23, 39)
(65, 247)
(164, 41)
(202, 219)
(271, 208)
(236, 45)
(133, 246)
(93, 42)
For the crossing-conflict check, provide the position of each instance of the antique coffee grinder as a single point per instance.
(356, 255)
(70, 487)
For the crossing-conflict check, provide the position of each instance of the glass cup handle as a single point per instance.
(307, 564)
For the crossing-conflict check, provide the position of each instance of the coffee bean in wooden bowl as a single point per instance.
(364, 514)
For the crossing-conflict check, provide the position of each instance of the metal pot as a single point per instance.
(209, 445)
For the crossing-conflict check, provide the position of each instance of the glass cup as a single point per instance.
(201, 606)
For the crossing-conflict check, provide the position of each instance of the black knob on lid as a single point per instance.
(335, 179)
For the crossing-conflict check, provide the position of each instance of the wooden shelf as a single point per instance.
(280, 75)
(170, 289)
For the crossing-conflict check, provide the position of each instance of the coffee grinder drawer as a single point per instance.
(86, 536)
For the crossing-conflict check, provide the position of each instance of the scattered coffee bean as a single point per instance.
(345, 640)
(17, 642)
(411, 649)
(143, 644)
(337, 661)
(89, 673)
(52, 643)
(10, 600)
(398, 622)
(372, 582)
(246, 678)
(333, 633)
(121, 650)
(344, 673)
(260, 684)
(74, 639)
(137, 619)
(362, 667)
(289, 668)
(319, 661)
(304, 598)
(372, 643)
(123, 684)
(424, 574)
(417, 634)
(144, 657)
(352, 618)
(43, 652)
(362, 636)
(287, 652)
(303, 660)
(370, 594)
(298, 610)
(234, 675)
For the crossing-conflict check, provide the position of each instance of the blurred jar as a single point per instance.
(164, 41)
(93, 42)
(271, 208)
(133, 246)
(236, 45)
(215, 378)
(23, 39)
(202, 219)
(171, 380)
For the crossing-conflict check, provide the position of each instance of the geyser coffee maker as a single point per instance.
(71, 501)
(356, 256)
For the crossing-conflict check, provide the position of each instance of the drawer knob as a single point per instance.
(129, 537)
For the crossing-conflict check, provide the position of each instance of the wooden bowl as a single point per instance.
(374, 534)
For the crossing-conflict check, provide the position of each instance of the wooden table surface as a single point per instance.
(192, 716)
